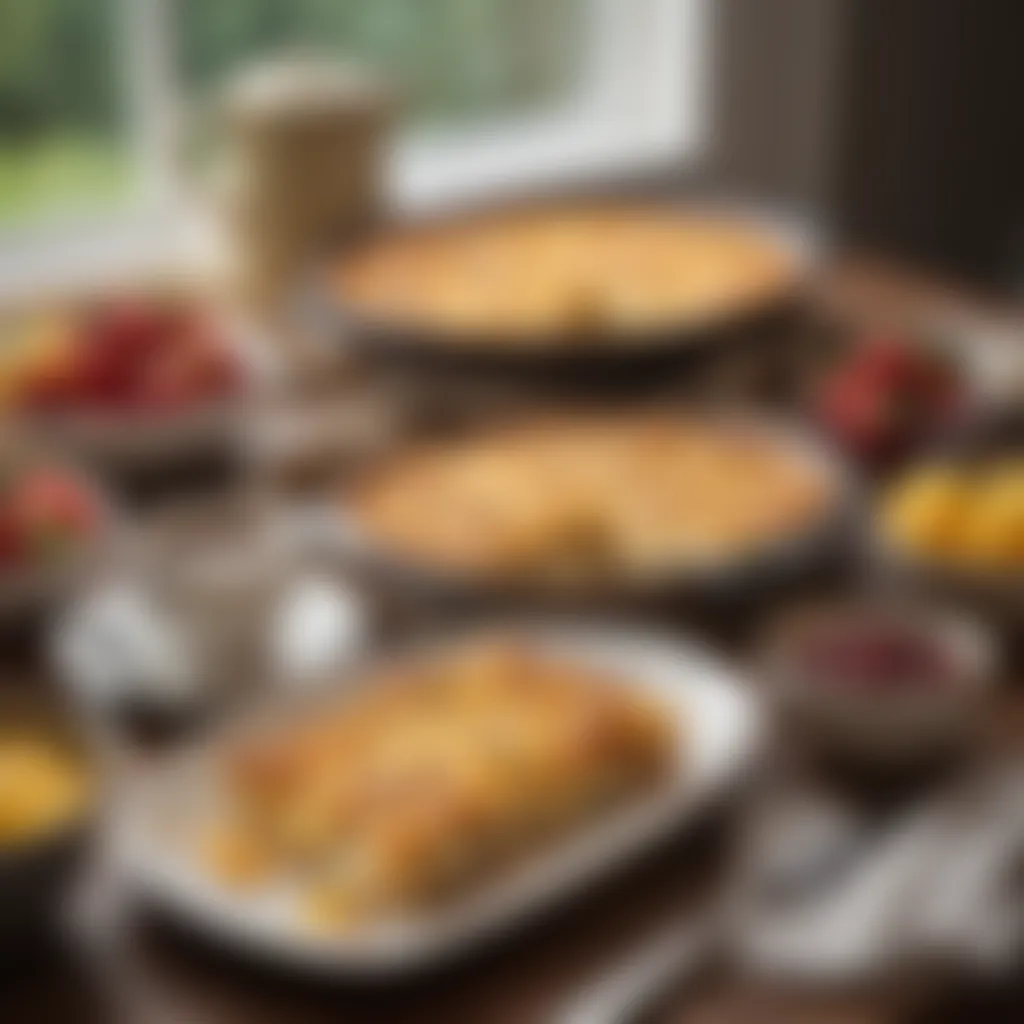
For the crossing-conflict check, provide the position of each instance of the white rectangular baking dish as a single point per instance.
(718, 716)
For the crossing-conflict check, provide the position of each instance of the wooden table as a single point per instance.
(150, 974)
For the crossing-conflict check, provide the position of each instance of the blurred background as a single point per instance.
(890, 124)
(173, 546)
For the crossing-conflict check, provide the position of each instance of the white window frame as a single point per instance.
(640, 108)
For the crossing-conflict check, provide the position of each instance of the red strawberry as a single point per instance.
(857, 413)
(888, 361)
(48, 507)
(941, 378)
(12, 546)
(195, 368)
(166, 382)
(162, 393)
(53, 387)
(126, 330)
(116, 344)
(215, 370)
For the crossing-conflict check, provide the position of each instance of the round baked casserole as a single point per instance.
(598, 500)
(564, 279)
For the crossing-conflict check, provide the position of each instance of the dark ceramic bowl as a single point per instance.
(36, 874)
(909, 720)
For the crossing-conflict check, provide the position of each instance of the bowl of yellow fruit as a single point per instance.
(957, 523)
(47, 794)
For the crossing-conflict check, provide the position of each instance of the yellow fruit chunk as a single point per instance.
(31, 348)
(926, 511)
(993, 531)
(42, 787)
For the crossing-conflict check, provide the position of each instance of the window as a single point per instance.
(457, 60)
(64, 139)
(498, 93)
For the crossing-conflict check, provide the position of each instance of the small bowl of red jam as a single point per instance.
(885, 682)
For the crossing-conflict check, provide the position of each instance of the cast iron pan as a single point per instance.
(426, 346)
(336, 530)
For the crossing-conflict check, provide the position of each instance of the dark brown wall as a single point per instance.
(774, 74)
(898, 123)
(930, 157)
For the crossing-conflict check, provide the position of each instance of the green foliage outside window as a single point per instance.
(64, 140)
(62, 137)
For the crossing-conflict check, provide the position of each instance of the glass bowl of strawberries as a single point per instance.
(55, 526)
(133, 377)
(891, 393)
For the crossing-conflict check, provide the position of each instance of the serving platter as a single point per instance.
(716, 716)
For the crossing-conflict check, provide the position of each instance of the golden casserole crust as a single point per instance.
(431, 776)
(585, 498)
(571, 275)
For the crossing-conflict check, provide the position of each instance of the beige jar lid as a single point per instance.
(295, 92)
